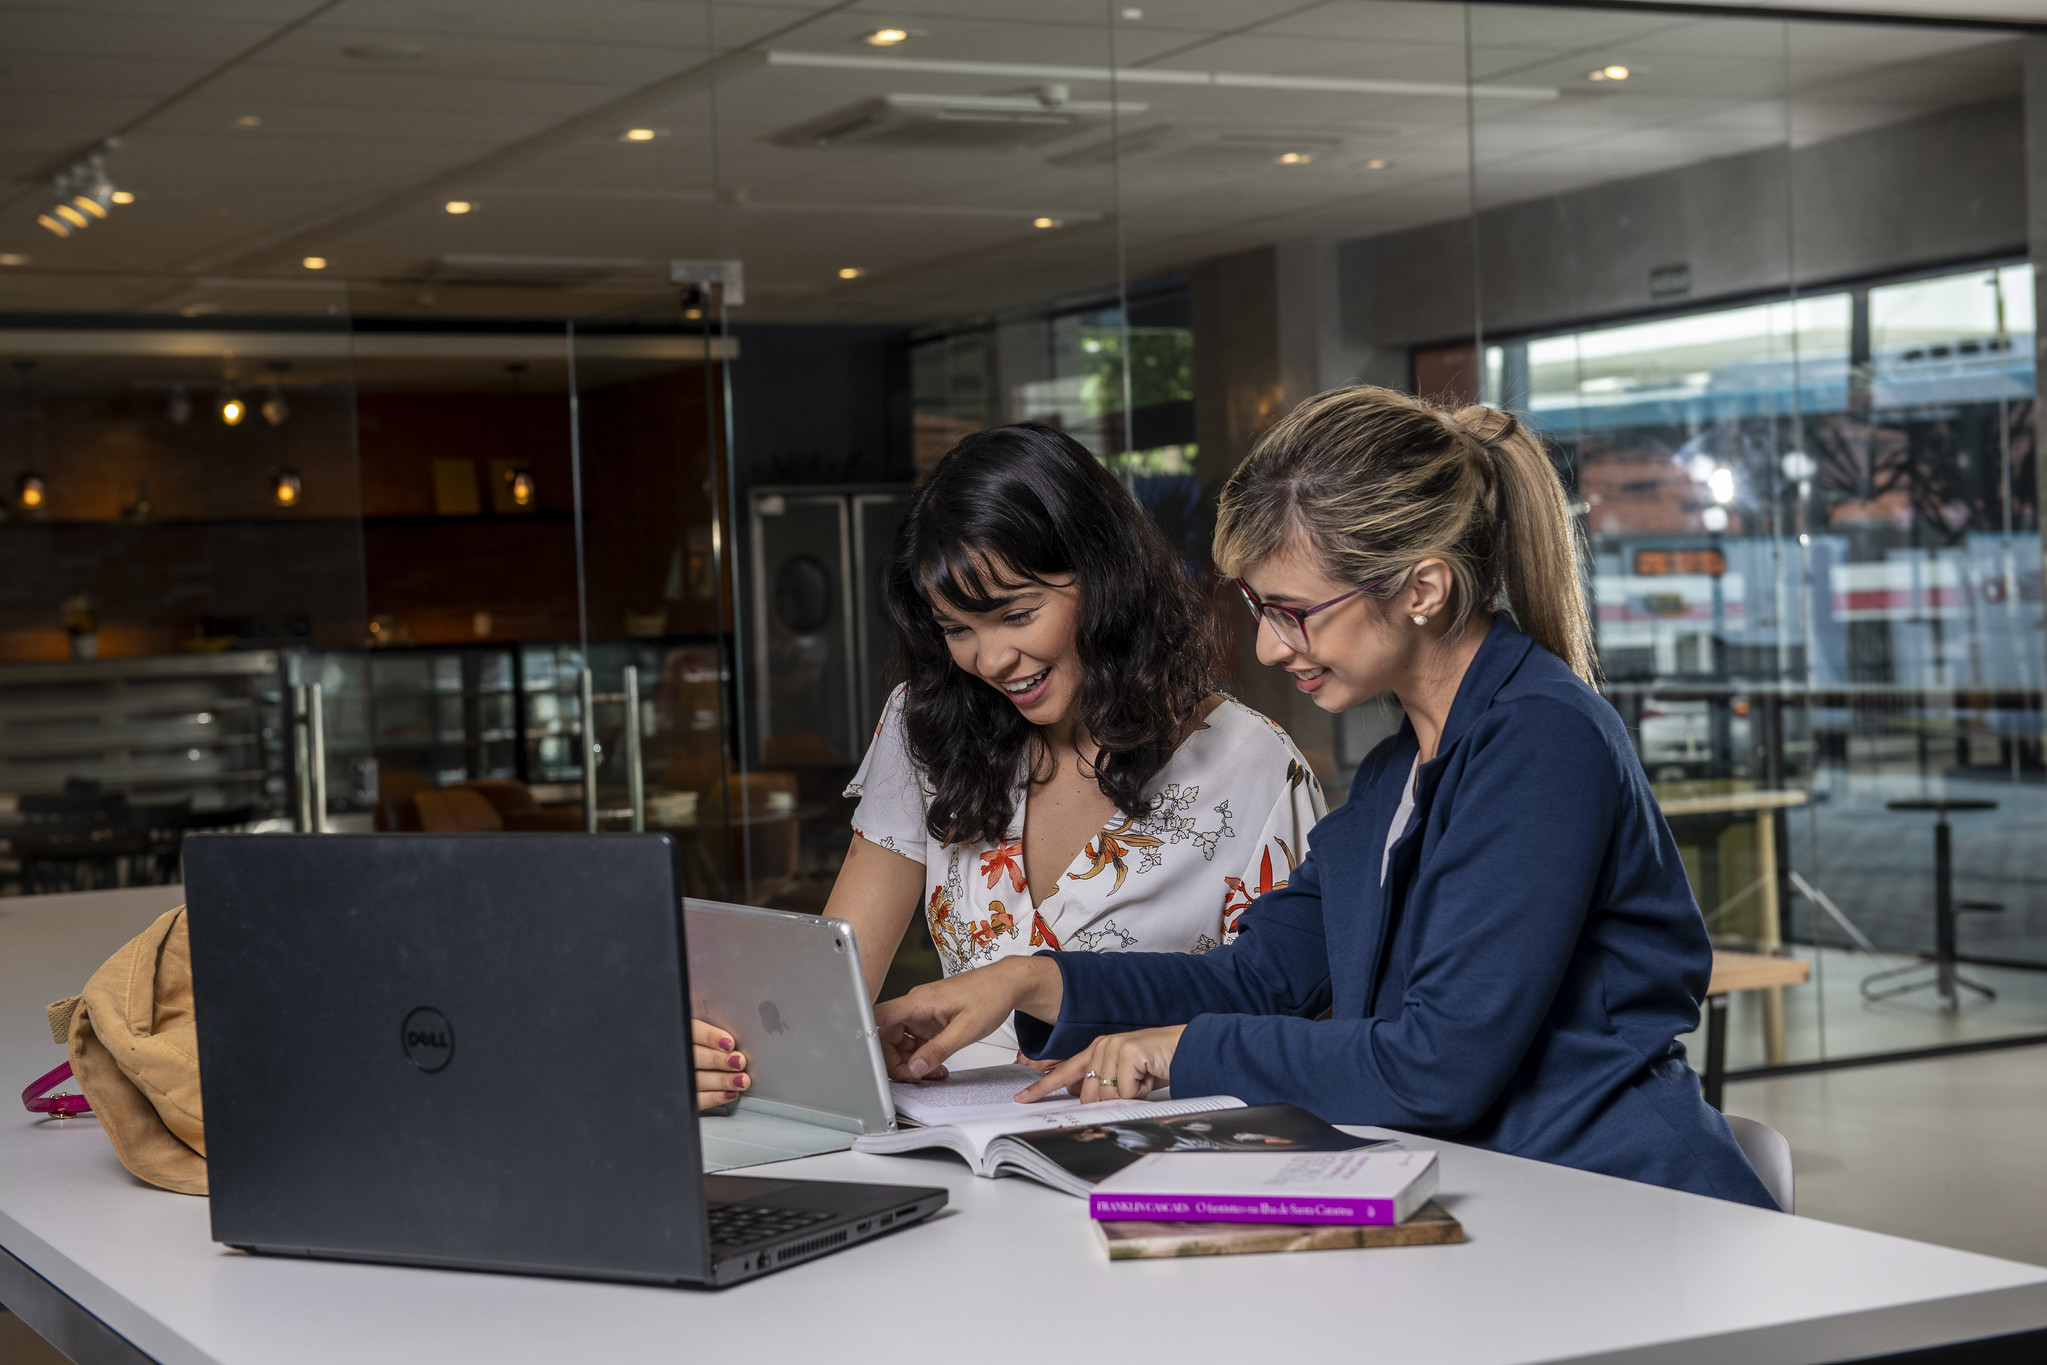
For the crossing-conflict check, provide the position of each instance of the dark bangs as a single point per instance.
(1031, 500)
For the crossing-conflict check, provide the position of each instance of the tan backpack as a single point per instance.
(135, 1054)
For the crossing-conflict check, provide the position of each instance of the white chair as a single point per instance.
(1768, 1152)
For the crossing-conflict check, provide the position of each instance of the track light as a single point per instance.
(232, 408)
(82, 195)
(31, 494)
(519, 483)
(285, 487)
(275, 410)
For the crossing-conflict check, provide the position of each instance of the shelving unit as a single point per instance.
(484, 711)
(207, 727)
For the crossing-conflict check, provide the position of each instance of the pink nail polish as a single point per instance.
(725, 1043)
(735, 1061)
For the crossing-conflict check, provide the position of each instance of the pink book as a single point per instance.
(1375, 1187)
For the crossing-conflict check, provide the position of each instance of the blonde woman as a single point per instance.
(1497, 922)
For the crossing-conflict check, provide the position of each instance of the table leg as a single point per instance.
(1769, 933)
(1944, 914)
(1715, 1079)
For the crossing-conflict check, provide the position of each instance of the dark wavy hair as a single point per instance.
(1031, 500)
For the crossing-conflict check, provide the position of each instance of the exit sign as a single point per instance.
(1662, 563)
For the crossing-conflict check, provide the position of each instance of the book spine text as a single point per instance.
(1227, 1208)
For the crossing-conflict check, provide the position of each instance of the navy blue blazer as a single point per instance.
(1518, 983)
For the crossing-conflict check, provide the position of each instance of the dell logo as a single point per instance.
(428, 1039)
(771, 1018)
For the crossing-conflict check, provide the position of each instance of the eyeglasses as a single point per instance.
(1290, 624)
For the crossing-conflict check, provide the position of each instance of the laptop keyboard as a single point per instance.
(739, 1225)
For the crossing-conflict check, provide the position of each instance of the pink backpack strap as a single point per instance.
(38, 1099)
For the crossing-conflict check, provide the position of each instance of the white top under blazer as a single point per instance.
(1236, 803)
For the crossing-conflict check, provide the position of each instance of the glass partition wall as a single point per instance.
(1798, 427)
(605, 348)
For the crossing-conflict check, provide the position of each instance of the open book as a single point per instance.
(1069, 1145)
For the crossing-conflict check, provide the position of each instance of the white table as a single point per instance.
(1561, 1265)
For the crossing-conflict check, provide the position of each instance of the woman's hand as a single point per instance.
(1119, 1066)
(721, 1071)
(921, 1029)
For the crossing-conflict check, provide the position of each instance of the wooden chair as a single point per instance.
(1739, 972)
(395, 790)
(456, 810)
(516, 807)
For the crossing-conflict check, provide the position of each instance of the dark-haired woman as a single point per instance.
(1494, 941)
(1058, 770)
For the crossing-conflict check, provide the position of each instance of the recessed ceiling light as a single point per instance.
(692, 313)
(887, 37)
(850, 272)
(12, 258)
(1295, 158)
(314, 263)
(122, 196)
(71, 216)
(1377, 164)
(639, 135)
(1133, 14)
(1046, 222)
(48, 223)
(249, 121)
(1609, 73)
(458, 206)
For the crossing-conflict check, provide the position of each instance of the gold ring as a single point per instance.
(1105, 1080)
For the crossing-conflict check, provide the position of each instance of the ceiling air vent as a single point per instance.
(967, 123)
(559, 272)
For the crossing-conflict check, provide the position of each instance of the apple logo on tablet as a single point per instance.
(771, 1018)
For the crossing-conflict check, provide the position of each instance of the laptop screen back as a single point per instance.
(419, 1047)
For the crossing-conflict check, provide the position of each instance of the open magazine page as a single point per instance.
(966, 1096)
(971, 1138)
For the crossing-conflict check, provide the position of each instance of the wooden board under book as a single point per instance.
(1430, 1226)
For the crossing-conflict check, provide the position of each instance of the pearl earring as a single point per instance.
(1420, 620)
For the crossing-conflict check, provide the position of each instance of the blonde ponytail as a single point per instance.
(1375, 481)
(1538, 542)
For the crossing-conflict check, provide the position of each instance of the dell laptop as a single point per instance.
(473, 1050)
(790, 989)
